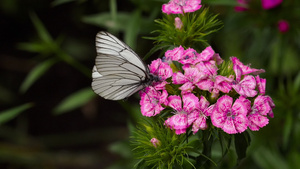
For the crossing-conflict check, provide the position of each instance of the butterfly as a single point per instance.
(118, 72)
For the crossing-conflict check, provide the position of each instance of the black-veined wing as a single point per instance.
(118, 72)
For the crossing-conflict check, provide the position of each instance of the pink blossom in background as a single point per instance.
(243, 5)
(246, 86)
(181, 6)
(283, 26)
(184, 112)
(259, 111)
(178, 23)
(268, 4)
(231, 118)
(152, 100)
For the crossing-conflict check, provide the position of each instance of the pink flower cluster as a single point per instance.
(181, 6)
(266, 4)
(233, 102)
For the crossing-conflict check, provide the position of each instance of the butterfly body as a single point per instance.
(118, 72)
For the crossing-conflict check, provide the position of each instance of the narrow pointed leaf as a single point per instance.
(74, 101)
(8, 115)
(35, 74)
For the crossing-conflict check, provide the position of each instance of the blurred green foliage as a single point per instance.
(50, 118)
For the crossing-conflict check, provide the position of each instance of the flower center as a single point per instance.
(154, 100)
(180, 2)
(230, 115)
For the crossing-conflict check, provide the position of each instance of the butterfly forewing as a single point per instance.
(118, 72)
(107, 44)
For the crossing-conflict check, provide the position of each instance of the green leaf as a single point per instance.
(36, 73)
(297, 84)
(132, 30)
(35, 47)
(220, 2)
(241, 141)
(287, 128)
(121, 148)
(41, 30)
(106, 20)
(269, 158)
(74, 101)
(8, 115)
(60, 2)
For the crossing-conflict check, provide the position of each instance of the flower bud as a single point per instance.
(268, 4)
(283, 26)
(178, 23)
(155, 142)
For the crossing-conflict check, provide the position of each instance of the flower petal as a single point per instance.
(175, 103)
(246, 87)
(246, 69)
(179, 78)
(177, 122)
(190, 102)
(199, 124)
(261, 84)
(224, 104)
(203, 103)
(229, 127)
(257, 121)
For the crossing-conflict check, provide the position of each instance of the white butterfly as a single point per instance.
(118, 72)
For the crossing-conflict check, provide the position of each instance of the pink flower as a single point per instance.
(213, 82)
(174, 55)
(208, 68)
(190, 56)
(261, 84)
(178, 23)
(231, 118)
(201, 116)
(162, 70)
(268, 4)
(152, 100)
(208, 54)
(181, 6)
(245, 68)
(243, 5)
(189, 79)
(272, 105)
(257, 116)
(184, 114)
(246, 86)
(283, 26)
(155, 142)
